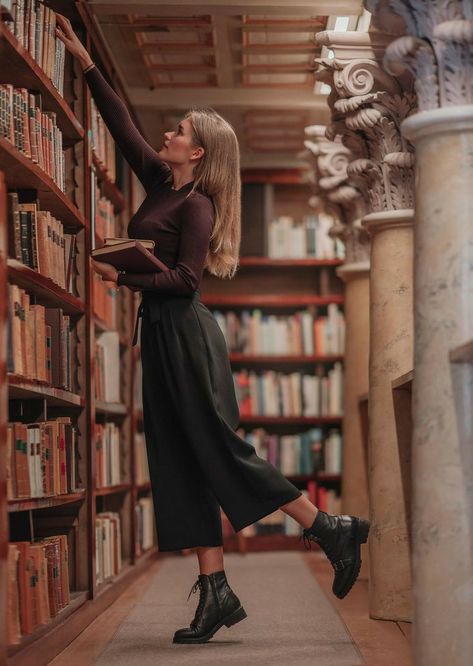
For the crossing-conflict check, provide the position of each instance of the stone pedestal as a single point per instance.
(442, 548)
(391, 355)
(354, 480)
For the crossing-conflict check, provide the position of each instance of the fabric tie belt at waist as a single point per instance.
(155, 305)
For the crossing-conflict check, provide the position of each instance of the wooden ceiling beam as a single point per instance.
(166, 97)
(272, 7)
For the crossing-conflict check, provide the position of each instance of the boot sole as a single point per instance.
(234, 617)
(362, 529)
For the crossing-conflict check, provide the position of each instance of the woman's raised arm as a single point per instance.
(142, 158)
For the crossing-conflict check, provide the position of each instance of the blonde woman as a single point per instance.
(197, 461)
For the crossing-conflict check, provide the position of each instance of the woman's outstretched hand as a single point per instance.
(73, 44)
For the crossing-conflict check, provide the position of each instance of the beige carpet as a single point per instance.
(289, 621)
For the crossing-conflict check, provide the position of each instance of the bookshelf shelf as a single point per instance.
(141, 487)
(44, 631)
(27, 400)
(25, 174)
(111, 408)
(290, 420)
(112, 490)
(23, 71)
(268, 262)
(32, 503)
(22, 388)
(111, 191)
(273, 300)
(236, 357)
(49, 293)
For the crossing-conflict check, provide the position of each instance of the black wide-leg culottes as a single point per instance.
(196, 460)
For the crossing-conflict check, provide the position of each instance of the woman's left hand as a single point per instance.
(107, 271)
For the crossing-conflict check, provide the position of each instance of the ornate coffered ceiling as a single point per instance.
(251, 60)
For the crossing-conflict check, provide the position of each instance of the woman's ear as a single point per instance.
(197, 153)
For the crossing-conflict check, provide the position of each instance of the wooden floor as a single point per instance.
(381, 643)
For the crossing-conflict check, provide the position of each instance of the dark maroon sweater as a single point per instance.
(180, 226)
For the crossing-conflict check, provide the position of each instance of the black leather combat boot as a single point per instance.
(340, 537)
(218, 605)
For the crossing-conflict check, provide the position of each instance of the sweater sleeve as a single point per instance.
(197, 217)
(142, 158)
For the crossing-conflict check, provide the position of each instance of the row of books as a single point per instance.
(38, 584)
(34, 26)
(302, 453)
(144, 525)
(105, 222)
(107, 366)
(38, 240)
(103, 144)
(300, 240)
(108, 455)
(272, 393)
(105, 296)
(32, 131)
(108, 545)
(42, 458)
(39, 341)
(138, 385)
(141, 459)
(252, 332)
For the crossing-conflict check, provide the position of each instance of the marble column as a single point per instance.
(391, 355)
(335, 193)
(438, 49)
(368, 105)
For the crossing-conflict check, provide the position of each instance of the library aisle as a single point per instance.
(283, 191)
(290, 620)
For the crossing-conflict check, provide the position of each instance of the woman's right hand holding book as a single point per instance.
(73, 44)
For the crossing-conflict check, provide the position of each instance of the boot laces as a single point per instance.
(194, 588)
(326, 547)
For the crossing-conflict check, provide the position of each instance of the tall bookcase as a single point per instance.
(28, 400)
(279, 286)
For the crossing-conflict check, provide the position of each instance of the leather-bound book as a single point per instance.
(129, 255)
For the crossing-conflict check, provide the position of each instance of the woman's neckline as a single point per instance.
(190, 183)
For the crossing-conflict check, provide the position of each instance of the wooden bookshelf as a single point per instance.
(26, 399)
(279, 286)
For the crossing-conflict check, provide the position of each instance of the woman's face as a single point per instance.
(177, 146)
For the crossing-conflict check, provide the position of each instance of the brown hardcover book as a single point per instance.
(130, 256)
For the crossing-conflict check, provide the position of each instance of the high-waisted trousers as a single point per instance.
(197, 462)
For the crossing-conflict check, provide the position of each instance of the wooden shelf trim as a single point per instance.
(22, 173)
(289, 420)
(49, 293)
(31, 503)
(23, 388)
(277, 262)
(24, 72)
(112, 490)
(276, 300)
(237, 357)
(114, 408)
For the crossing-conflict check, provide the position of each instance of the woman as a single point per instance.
(197, 461)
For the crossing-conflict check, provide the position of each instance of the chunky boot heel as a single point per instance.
(235, 617)
(340, 537)
(218, 606)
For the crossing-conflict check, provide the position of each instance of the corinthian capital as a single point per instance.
(368, 106)
(437, 48)
(334, 193)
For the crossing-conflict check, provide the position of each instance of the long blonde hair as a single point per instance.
(218, 175)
